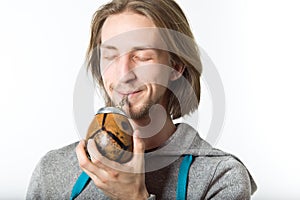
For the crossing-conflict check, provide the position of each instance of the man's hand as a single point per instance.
(117, 181)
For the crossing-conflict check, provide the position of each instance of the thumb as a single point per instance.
(138, 143)
(138, 153)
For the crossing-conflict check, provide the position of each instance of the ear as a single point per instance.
(177, 71)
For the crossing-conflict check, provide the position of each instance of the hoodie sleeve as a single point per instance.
(231, 180)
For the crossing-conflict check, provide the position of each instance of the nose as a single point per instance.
(125, 68)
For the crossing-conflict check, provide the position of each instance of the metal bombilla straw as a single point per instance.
(122, 103)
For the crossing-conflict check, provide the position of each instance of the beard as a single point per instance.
(141, 112)
(137, 110)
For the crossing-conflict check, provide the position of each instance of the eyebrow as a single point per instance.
(143, 48)
(132, 49)
(108, 47)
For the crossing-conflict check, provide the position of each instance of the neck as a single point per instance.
(154, 130)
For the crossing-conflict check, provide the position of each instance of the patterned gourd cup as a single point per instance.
(112, 133)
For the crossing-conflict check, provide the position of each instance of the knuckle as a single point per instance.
(83, 163)
(96, 161)
(115, 174)
(98, 183)
(104, 180)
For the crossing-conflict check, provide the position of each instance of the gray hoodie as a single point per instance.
(213, 174)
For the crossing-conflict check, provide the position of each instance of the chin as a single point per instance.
(139, 112)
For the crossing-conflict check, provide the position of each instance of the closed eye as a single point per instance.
(109, 57)
(144, 55)
(142, 58)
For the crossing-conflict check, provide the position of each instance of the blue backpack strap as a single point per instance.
(84, 179)
(183, 176)
(80, 184)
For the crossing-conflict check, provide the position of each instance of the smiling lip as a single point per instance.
(129, 94)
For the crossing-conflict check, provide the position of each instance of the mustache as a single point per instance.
(125, 88)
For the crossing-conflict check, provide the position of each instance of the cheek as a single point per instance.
(156, 75)
(108, 82)
(106, 86)
(108, 70)
(108, 74)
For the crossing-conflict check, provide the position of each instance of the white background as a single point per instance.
(254, 45)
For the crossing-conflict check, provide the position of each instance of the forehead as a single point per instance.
(129, 30)
(124, 22)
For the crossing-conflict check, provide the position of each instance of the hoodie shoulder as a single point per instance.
(225, 173)
(55, 174)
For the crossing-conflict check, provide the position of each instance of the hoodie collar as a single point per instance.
(185, 140)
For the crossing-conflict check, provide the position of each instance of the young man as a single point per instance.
(144, 51)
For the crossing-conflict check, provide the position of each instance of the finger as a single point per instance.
(97, 174)
(139, 146)
(138, 153)
(83, 159)
(84, 163)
